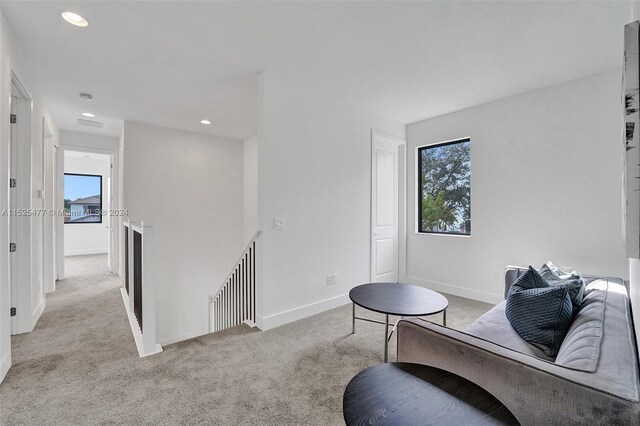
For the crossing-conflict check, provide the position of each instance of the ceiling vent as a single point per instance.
(90, 123)
(86, 96)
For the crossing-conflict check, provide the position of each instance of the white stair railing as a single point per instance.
(235, 301)
(138, 291)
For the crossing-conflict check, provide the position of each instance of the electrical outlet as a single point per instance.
(332, 279)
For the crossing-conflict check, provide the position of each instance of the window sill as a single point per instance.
(442, 234)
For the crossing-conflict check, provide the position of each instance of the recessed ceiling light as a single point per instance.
(205, 122)
(88, 114)
(74, 19)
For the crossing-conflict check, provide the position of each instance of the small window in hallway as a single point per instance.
(82, 198)
(444, 188)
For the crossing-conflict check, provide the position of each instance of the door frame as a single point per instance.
(49, 192)
(115, 222)
(402, 204)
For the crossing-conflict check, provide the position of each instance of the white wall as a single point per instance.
(88, 238)
(250, 187)
(546, 185)
(88, 141)
(314, 171)
(32, 301)
(190, 187)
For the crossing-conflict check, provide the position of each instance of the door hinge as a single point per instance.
(12, 247)
(13, 312)
(13, 118)
(12, 182)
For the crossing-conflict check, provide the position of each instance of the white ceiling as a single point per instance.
(174, 63)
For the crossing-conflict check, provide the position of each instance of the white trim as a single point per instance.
(468, 293)
(251, 324)
(137, 336)
(5, 364)
(295, 314)
(187, 336)
(83, 252)
(38, 311)
(395, 139)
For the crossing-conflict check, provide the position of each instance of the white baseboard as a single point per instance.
(295, 314)
(5, 364)
(468, 293)
(137, 335)
(186, 336)
(85, 251)
(37, 312)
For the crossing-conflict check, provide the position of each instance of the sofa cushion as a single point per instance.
(539, 312)
(494, 327)
(580, 349)
(573, 281)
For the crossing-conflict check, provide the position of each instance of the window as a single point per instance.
(82, 198)
(444, 188)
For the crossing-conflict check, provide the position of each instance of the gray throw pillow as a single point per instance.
(573, 281)
(541, 313)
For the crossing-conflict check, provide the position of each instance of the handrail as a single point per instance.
(251, 241)
(235, 301)
(139, 292)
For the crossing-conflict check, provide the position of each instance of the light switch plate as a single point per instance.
(278, 224)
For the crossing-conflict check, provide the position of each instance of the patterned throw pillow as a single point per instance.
(541, 313)
(573, 281)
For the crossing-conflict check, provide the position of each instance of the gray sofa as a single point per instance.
(592, 380)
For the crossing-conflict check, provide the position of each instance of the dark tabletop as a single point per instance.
(414, 394)
(398, 299)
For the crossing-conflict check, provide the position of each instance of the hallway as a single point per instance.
(54, 365)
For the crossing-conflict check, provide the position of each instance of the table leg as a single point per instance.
(444, 318)
(353, 318)
(386, 338)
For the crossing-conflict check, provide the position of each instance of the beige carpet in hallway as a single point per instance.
(80, 364)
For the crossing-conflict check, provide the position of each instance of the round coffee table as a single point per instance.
(403, 300)
(414, 394)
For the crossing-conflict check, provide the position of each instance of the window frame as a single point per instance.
(418, 192)
(100, 209)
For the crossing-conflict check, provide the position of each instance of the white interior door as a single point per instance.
(385, 206)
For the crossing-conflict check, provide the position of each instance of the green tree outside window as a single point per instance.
(445, 188)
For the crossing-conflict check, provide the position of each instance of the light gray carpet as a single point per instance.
(80, 364)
